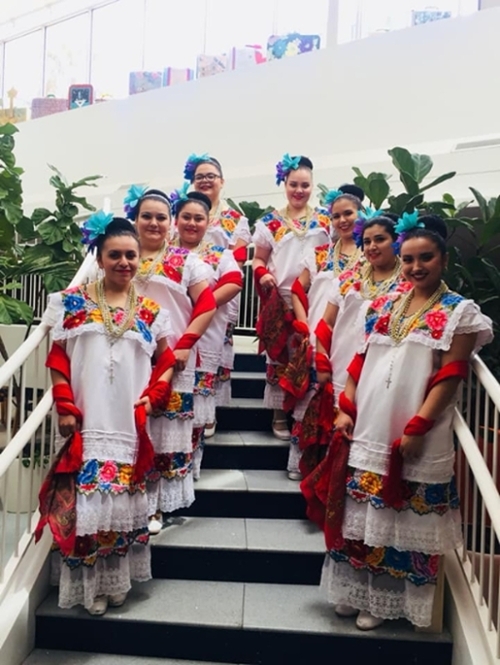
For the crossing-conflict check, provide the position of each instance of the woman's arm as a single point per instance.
(298, 308)
(329, 317)
(345, 423)
(197, 327)
(67, 424)
(441, 394)
(260, 260)
(226, 293)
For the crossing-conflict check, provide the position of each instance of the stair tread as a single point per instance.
(244, 403)
(280, 608)
(245, 438)
(251, 376)
(54, 657)
(246, 480)
(272, 535)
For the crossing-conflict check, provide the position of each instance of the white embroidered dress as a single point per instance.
(389, 562)
(170, 486)
(107, 378)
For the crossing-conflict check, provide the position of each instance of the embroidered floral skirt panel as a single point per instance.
(388, 563)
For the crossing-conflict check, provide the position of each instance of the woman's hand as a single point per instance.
(267, 281)
(181, 358)
(147, 405)
(323, 378)
(68, 425)
(411, 446)
(345, 425)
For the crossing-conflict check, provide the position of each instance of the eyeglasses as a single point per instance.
(206, 176)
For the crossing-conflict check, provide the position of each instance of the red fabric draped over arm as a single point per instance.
(205, 303)
(356, 366)
(233, 277)
(299, 291)
(240, 254)
(324, 334)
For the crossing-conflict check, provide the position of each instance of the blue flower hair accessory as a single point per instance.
(191, 164)
(357, 232)
(95, 226)
(331, 196)
(131, 200)
(370, 213)
(179, 195)
(407, 222)
(284, 167)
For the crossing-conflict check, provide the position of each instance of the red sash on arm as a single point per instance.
(392, 492)
(233, 277)
(205, 303)
(258, 274)
(240, 254)
(299, 291)
(324, 335)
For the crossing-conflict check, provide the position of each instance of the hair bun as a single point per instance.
(354, 190)
(305, 161)
(200, 197)
(435, 224)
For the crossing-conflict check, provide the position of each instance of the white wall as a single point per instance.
(422, 87)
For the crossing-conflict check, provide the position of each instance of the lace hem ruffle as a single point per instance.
(273, 397)
(170, 495)
(294, 456)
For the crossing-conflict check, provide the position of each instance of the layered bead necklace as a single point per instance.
(401, 324)
(144, 274)
(115, 330)
(298, 227)
(371, 289)
(340, 266)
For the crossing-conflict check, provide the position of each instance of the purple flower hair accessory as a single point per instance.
(95, 226)
(179, 195)
(357, 232)
(406, 223)
(284, 167)
(192, 162)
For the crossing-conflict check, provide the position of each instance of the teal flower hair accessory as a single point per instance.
(191, 164)
(286, 165)
(407, 222)
(331, 196)
(131, 200)
(95, 226)
(370, 213)
(179, 195)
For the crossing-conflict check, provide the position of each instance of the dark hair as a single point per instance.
(349, 197)
(434, 228)
(385, 222)
(393, 216)
(209, 160)
(116, 228)
(304, 163)
(193, 197)
(155, 195)
(352, 189)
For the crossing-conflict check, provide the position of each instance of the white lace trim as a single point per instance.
(273, 397)
(223, 394)
(117, 446)
(59, 334)
(405, 530)
(227, 357)
(204, 410)
(171, 436)
(107, 577)
(110, 512)
(294, 456)
(170, 495)
(242, 231)
(183, 382)
(209, 361)
(381, 595)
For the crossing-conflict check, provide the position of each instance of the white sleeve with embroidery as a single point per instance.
(53, 315)
(196, 270)
(334, 296)
(472, 320)
(228, 263)
(262, 236)
(162, 326)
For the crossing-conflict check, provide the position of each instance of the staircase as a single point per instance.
(235, 576)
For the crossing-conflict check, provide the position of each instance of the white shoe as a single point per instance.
(117, 600)
(155, 526)
(281, 434)
(99, 606)
(346, 611)
(367, 621)
(294, 475)
(210, 430)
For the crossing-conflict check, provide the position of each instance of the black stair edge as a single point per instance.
(272, 458)
(231, 645)
(225, 565)
(249, 362)
(235, 503)
(232, 419)
(253, 388)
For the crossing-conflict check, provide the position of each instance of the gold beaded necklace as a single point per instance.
(144, 274)
(301, 230)
(351, 259)
(370, 289)
(401, 324)
(113, 330)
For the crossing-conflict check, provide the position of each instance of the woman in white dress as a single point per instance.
(104, 337)
(401, 508)
(191, 221)
(282, 239)
(229, 229)
(178, 280)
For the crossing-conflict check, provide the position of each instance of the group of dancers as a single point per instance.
(365, 348)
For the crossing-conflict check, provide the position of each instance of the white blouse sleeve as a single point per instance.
(472, 320)
(196, 270)
(53, 315)
(242, 231)
(162, 327)
(228, 263)
(334, 296)
(262, 236)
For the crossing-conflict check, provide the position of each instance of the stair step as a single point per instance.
(249, 362)
(248, 384)
(244, 413)
(56, 657)
(245, 450)
(239, 550)
(246, 493)
(233, 622)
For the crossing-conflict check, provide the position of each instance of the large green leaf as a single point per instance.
(410, 184)
(439, 180)
(26, 230)
(7, 233)
(378, 190)
(14, 311)
(57, 281)
(13, 213)
(50, 233)
(402, 160)
(493, 274)
(490, 230)
(482, 203)
(39, 215)
(8, 129)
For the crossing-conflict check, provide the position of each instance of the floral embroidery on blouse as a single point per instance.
(324, 258)
(211, 255)
(350, 279)
(431, 324)
(278, 227)
(108, 477)
(171, 266)
(180, 405)
(228, 221)
(80, 309)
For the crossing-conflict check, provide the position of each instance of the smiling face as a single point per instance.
(298, 188)
(152, 223)
(208, 179)
(378, 247)
(344, 216)
(119, 258)
(192, 223)
(423, 263)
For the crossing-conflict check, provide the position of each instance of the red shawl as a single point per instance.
(274, 325)
(296, 378)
